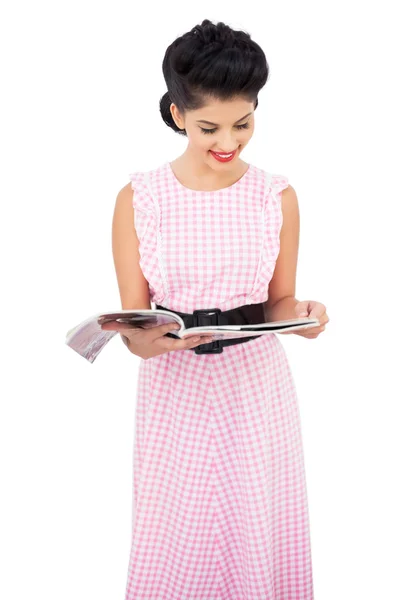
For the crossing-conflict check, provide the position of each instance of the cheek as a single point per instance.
(203, 141)
(247, 134)
(196, 138)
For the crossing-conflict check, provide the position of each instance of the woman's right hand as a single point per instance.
(152, 341)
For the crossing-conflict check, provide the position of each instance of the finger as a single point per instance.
(189, 342)
(161, 330)
(312, 333)
(312, 330)
(198, 340)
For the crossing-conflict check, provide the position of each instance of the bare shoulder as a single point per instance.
(124, 202)
(126, 191)
(289, 196)
(290, 209)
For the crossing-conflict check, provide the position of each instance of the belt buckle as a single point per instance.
(202, 318)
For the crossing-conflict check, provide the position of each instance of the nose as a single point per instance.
(226, 144)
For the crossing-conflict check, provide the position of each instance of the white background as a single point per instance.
(79, 112)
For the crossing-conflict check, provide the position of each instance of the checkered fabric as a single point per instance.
(220, 508)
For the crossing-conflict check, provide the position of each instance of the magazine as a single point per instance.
(88, 338)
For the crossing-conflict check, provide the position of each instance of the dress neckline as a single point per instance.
(224, 189)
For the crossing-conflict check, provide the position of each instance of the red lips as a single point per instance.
(221, 158)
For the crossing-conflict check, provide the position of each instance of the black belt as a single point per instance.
(248, 314)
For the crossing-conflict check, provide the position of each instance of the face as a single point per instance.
(219, 127)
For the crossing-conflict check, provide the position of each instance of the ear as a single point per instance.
(176, 116)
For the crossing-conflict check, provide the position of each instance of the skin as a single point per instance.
(196, 168)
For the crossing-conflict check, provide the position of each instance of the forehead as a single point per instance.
(223, 111)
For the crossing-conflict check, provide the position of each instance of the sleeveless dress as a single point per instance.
(220, 508)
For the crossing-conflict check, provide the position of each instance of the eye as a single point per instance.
(244, 126)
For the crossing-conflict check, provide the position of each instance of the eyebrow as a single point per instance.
(210, 123)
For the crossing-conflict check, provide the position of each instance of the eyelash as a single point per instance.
(244, 126)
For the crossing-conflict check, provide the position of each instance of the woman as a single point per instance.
(220, 499)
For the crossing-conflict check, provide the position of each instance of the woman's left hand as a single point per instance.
(312, 309)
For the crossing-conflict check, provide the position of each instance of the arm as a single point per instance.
(281, 290)
(133, 287)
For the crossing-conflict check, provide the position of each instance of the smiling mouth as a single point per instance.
(223, 154)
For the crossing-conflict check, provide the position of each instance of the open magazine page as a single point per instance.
(142, 318)
(88, 338)
(89, 341)
(226, 332)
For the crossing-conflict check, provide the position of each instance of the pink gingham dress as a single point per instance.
(220, 508)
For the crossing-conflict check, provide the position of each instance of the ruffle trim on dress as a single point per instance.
(141, 197)
(146, 216)
(272, 220)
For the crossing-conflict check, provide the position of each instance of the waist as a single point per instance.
(248, 314)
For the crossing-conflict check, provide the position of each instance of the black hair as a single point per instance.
(211, 61)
